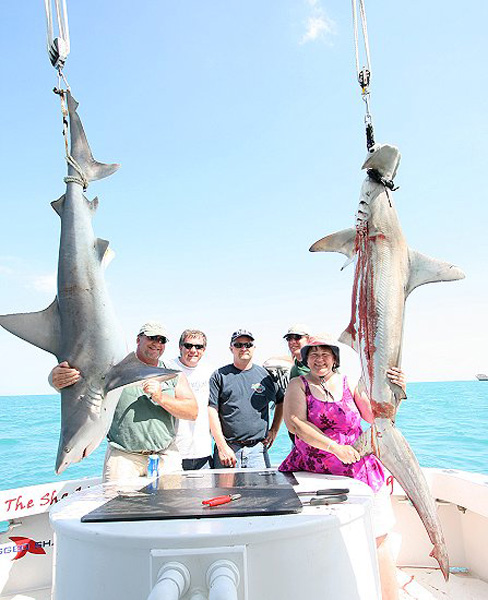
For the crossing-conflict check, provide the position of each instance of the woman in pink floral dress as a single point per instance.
(325, 415)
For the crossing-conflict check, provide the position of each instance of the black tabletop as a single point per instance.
(180, 496)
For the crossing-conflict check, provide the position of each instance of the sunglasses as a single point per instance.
(294, 336)
(243, 344)
(189, 346)
(157, 338)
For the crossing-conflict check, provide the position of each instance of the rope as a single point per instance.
(58, 49)
(82, 179)
(364, 73)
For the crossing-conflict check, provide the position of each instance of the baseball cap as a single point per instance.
(298, 329)
(239, 333)
(153, 328)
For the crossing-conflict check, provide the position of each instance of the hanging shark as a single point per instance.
(80, 326)
(386, 272)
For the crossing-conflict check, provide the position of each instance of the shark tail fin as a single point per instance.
(42, 329)
(80, 149)
(424, 269)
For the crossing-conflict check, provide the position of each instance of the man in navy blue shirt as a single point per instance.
(240, 395)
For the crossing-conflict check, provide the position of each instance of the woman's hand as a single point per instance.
(346, 454)
(397, 376)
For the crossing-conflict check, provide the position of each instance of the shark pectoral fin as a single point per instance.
(347, 339)
(42, 329)
(131, 370)
(424, 269)
(341, 241)
(80, 149)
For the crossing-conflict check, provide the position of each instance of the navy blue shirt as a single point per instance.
(242, 400)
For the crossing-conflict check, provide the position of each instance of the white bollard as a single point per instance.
(172, 584)
(223, 580)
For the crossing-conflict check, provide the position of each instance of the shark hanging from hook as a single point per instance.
(80, 326)
(386, 272)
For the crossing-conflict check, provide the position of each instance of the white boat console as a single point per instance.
(322, 551)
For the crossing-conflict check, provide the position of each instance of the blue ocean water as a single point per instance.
(446, 424)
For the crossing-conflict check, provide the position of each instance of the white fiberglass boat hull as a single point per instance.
(463, 509)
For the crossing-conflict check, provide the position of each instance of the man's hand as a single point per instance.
(270, 438)
(63, 375)
(152, 388)
(227, 456)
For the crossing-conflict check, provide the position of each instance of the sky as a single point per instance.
(239, 129)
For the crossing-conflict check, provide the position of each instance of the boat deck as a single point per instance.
(429, 584)
(416, 584)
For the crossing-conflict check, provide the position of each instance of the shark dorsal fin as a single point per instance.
(424, 269)
(42, 329)
(131, 370)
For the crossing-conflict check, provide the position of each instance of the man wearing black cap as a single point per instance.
(240, 395)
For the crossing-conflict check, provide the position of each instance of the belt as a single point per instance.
(248, 442)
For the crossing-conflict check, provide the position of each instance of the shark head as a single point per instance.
(86, 416)
(384, 159)
(88, 406)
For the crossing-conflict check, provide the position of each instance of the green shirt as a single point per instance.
(298, 368)
(141, 425)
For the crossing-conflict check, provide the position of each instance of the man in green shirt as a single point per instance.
(144, 422)
(297, 337)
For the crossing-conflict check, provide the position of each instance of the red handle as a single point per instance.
(217, 500)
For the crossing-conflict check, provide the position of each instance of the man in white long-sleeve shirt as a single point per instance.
(193, 437)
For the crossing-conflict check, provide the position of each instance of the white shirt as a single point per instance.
(193, 437)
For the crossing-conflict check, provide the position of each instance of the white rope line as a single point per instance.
(364, 26)
(364, 30)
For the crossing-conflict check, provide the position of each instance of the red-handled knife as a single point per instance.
(218, 500)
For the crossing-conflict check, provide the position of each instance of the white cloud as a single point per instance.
(319, 27)
(20, 273)
(5, 270)
(43, 283)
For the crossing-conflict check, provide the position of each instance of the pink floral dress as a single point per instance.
(340, 421)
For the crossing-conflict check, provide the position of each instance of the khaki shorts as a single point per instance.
(127, 465)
